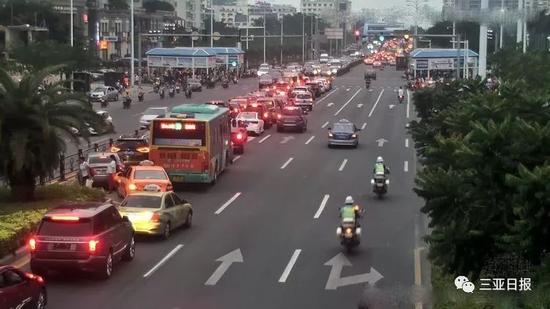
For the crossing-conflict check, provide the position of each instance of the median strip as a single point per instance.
(224, 206)
(163, 261)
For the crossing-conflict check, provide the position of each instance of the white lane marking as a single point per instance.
(345, 104)
(408, 103)
(236, 158)
(406, 166)
(263, 139)
(341, 168)
(287, 163)
(310, 139)
(323, 98)
(330, 104)
(376, 103)
(290, 265)
(251, 138)
(324, 125)
(359, 105)
(406, 143)
(364, 126)
(231, 200)
(321, 207)
(164, 259)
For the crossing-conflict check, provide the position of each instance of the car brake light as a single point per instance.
(92, 245)
(266, 115)
(155, 217)
(32, 244)
(143, 149)
(115, 149)
(64, 218)
(239, 136)
(279, 116)
(34, 277)
(132, 187)
(169, 187)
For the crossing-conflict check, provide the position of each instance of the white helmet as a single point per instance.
(379, 160)
(349, 200)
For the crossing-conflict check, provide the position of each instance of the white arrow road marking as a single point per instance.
(376, 103)
(164, 259)
(287, 163)
(290, 265)
(321, 207)
(381, 142)
(323, 98)
(335, 280)
(344, 106)
(236, 158)
(391, 106)
(234, 256)
(406, 166)
(364, 126)
(324, 125)
(330, 104)
(286, 139)
(408, 103)
(263, 139)
(231, 200)
(310, 139)
(406, 143)
(371, 90)
(394, 89)
(341, 168)
(359, 105)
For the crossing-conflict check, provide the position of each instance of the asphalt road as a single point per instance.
(279, 229)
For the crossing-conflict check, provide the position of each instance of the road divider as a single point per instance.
(286, 163)
(343, 165)
(310, 139)
(290, 265)
(345, 104)
(263, 139)
(163, 261)
(231, 200)
(321, 207)
(376, 103)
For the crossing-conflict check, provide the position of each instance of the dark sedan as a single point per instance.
(343, 133)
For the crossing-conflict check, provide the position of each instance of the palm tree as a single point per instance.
(33, 125)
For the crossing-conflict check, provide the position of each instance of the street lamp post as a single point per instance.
(132, 69)
(303, 38)
(72, 25)
(282, 29)
(211, 24)
(264, 35)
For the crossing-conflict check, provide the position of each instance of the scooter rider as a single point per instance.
(400, 94)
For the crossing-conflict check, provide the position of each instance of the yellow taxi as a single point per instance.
(143, 177)
(156, 213)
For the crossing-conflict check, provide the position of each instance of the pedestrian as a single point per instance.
(111, 173)
(84, 169)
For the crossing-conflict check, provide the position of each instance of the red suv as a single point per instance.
(21, 290)
(83, 236)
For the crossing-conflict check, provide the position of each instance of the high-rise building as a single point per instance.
(335, 12)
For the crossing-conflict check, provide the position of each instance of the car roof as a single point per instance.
(148, 167)
(79, 209)
(149, 193)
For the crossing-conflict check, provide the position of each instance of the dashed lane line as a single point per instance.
(290, 265)
(163, 261)
(321, 207)
(345, 104)
(263, 139)
(231, 200)
(376, 103)
(286, 163)
(310, 139)
(343, 165)
(324, 125)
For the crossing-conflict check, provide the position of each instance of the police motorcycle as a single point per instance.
(349, 231)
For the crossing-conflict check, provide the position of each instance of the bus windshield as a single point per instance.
(179, 133)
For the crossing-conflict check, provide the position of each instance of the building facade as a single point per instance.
(335, 12)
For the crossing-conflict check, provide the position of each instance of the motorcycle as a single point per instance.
(235, 80)
(367, 84)
(401, 98)
(141, 96)
(126, 102)
(104, 103)
(178, 88)
(225, 83)
(188, 93)
(161, 93)
(380, 185)
(172, 92)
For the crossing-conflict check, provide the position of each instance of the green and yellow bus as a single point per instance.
(192, 143)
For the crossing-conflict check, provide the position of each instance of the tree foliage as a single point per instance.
(40, 55)
(467, 30)
(33, 125)
(157, 5)
(533, 68)
(486, 175)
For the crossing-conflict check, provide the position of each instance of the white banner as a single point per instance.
(441, 64)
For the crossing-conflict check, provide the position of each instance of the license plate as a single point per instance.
(151, 187)
(63, 246)
(290, 124)
(177, 178)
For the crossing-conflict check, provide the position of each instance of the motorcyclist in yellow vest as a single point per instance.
(350, 211)
(380, 168)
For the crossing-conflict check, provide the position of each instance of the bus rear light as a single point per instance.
(115, 149)
(190, 126)
(239, 136)
(143, 149)
(92, 245)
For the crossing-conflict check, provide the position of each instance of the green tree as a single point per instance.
(40, 55)
(157, 5)
(118, 4)
(33, 125)
(467, 30)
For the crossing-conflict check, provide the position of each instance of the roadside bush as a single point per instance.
(18, 220)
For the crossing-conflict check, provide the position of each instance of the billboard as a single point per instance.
(334, 33)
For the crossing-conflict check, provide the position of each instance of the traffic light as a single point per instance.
(489, 34)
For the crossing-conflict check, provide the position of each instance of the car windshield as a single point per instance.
(303, 96)
(142, 201)
(343, 127)
(99, 160)
(248, 115)
(150, 174)
(154, 111)
(130, 144)
(100, 89)
(49, 227)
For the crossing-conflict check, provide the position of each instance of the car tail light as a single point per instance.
(34, 277)
(64, 218)
(266, 115)
(115, 149)
(155, 217)
(132, 187)
(169, 187)
(143, 149)
(239, 136)
(32, 244)
(279, 116)
(92, 245)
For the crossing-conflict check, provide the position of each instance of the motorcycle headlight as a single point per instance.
(372, 181)
(329, 134)
(387, 181)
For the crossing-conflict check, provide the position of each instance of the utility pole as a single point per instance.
(519, 32)
(501, 33)
(264, 35)
(303, 38)
(132, 56)
(454, 33)
(310, 54)
(72, 23)
(483, 43)
(282, 29)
